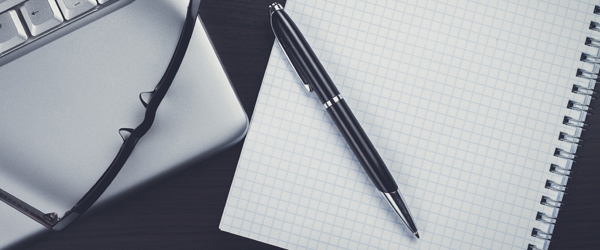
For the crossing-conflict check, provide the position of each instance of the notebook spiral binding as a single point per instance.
(564, 154)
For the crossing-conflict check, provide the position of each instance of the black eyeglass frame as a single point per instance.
(52, 220)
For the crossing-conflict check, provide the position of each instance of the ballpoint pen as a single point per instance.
(315, 79)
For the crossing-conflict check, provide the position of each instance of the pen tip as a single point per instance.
(417, 235)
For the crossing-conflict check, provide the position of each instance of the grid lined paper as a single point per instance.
(464, 102)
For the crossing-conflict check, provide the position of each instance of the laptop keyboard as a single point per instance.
(23, 21)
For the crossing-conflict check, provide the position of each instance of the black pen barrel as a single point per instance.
(311, 72)
(315, 78)
(362, 147)
(303, 59)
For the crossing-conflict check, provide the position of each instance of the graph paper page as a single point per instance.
(464, 102)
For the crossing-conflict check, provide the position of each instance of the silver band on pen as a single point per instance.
(332, 101)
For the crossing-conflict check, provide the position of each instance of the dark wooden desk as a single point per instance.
(183, 212)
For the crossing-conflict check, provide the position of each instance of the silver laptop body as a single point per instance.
(64, 97)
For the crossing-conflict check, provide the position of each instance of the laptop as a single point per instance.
(70, 81)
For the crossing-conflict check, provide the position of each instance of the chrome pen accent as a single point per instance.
(315, 78)
(332, 101)
(396, 201)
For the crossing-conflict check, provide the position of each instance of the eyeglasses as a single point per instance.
(151, 100)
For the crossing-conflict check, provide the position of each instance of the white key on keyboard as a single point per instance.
(74, 8)
(7, 4)
(12, 32)
(41, 15)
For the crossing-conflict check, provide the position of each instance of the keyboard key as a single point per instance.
(12, 32)
(7, 4)
(41, 15)
(74, 8)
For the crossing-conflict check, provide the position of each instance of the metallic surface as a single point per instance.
(32, 43)
(333, 100)
(65, 114)
(311, 71)
(398, 205)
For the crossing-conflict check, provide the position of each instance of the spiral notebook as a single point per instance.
(476, 107)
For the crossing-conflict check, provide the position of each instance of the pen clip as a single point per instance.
(306, 85)
(276, 7)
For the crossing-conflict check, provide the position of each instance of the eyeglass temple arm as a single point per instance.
(160, 91)
(51, 220)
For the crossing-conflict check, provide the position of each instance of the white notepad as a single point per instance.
(465, 103)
